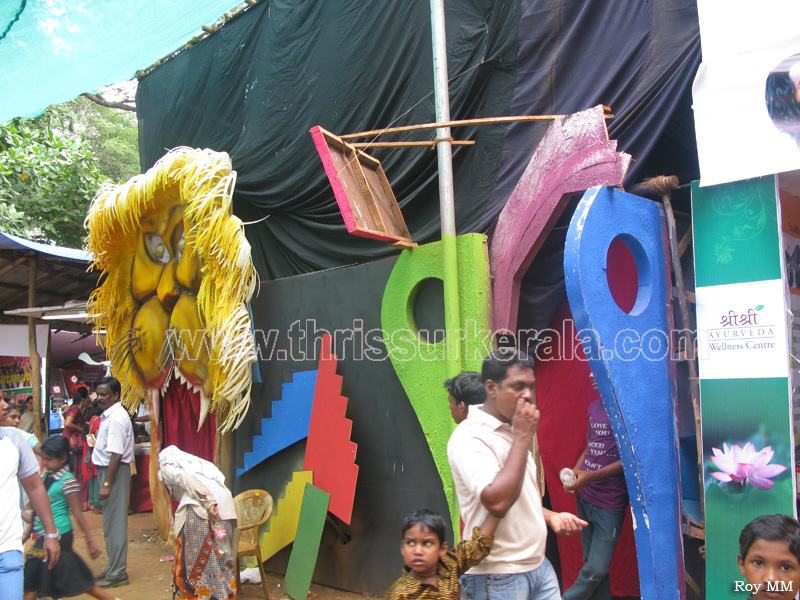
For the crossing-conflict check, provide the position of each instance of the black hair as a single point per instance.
(428, 519)
(112, 383)
(773, 528)
(94, 409)
(467, 387)
(80, 394)
(496, 365)
(57, 446)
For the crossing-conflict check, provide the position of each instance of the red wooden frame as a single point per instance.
(362, 191)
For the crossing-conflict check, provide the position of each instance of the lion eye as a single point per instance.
(179, 245)
(156, 248)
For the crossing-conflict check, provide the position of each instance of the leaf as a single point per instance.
(759, 307)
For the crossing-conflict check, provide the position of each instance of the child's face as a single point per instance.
(421, 550)
(53, 463)
(773, 568)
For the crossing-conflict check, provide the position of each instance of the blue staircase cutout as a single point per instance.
(291, 417)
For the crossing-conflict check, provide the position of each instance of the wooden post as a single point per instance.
(162, 508)
(224, 458)
(36, 367)
(662, 187)
(46, 391)
(459, 123)
(422, 144)
(691, 350)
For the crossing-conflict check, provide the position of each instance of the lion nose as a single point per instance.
(168, 289)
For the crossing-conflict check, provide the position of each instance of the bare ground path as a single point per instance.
(151, 579)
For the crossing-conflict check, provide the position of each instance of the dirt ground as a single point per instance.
(151, 578)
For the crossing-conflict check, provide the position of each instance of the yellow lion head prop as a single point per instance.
(178, 276)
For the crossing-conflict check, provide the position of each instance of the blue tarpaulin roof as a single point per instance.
(51, 51)
(61, 274)
(12, 242)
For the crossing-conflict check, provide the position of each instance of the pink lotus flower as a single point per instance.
(745, 465)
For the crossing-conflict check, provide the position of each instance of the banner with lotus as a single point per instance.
(743, 359)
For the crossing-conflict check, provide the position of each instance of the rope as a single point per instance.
(22, 6)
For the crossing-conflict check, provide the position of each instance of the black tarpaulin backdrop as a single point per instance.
(256, 87)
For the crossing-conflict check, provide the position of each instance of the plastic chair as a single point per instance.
(253, 509)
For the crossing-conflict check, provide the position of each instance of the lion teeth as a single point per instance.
(205, 404)
(167, 381)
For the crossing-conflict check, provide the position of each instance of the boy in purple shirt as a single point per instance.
(602, 500)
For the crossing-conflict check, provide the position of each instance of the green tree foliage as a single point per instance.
(48, 177)
(52, 166)
(112, 136)
(14, 221)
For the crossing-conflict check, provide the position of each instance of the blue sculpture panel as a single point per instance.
(630, 356)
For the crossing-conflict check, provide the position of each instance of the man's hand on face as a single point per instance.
(526, 420)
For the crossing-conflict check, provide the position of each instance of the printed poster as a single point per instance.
(746, 94)
(743, 359)
(790, 211)
(15, 377)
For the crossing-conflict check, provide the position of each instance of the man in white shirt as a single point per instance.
(18, 464)
(494, 472)
(112, 455)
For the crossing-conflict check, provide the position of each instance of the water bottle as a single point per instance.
(223, 543)
(567, 476)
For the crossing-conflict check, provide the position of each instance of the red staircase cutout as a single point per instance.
(329, 452)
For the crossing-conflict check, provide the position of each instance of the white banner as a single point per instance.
(743, 42)
(15, 340)
(742, 330)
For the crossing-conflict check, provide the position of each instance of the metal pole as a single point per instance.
(452, 316)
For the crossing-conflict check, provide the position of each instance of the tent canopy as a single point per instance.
(12, 242)
(61, 275)
(52, 51)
